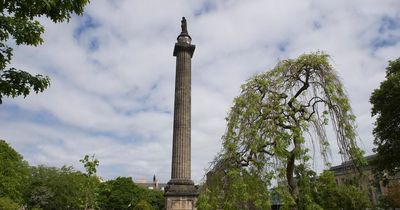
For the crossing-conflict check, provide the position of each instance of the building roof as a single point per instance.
(150, 185)
(347, 165)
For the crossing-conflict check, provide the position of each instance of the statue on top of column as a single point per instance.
(184, 25)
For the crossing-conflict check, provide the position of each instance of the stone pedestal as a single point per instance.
(181, 203)
(181, 197)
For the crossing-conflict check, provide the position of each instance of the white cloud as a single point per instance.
(116, 99)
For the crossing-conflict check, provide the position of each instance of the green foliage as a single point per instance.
(8, 204)
(276, 115)
(55, 188)
(307, 188)
(90, 165)
(121, 193)
(321, 192)
(154, 198)
(15, 82)
(118, 194)
(18, 22)
(331, 196)
(240, 189)
(143, 205)
(326, 188)
(92, 181)
(352, 198)
(385, 106)
(13, 173)
(48, 188)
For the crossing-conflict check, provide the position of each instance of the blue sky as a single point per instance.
(112, 75)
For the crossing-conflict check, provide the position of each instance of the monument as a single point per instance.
(181, 193)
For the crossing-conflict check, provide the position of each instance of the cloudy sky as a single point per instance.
(112, 74)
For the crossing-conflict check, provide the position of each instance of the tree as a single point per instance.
(91, 180)
(385, 106)
(55, 188)
(13, 173)
(120, 194)
(8, 204)
(331, 196)
(154, 198)
(228, 187)
(277, 113)
(143, 205)
(18, 22)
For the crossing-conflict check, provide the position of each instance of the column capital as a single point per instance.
(182, 46)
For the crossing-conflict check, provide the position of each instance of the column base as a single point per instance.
(181, 195)
(181, 203)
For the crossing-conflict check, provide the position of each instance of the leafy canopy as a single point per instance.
(277, 114)
(55, 188)
(386, 107)
(7, 203)
(18, 23)
(43, 187)
(92, 181)
(13, 173)
(122, 193)
(143, 205)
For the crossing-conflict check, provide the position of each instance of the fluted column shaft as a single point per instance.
(182, 118)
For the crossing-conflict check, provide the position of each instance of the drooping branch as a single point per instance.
(270, 120)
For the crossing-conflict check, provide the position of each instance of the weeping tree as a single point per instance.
(273, 123)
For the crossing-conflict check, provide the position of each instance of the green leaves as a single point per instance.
(275, 116)
(143, 205)
(42, 187)
(385, 106)
(90, 164)
(22, 29)
(13, 173)
(18, 22)
(56, 10)
(331, 196)
(240, 189)
(55, 188)
(15, 82)
(5, 55)
(91, 184)
(7, 203)
(122, 194)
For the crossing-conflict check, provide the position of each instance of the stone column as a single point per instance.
(181, 193)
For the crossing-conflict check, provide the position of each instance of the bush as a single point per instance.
(7, 204)
(143, 205)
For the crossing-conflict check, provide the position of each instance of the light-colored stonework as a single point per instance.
(181, 203)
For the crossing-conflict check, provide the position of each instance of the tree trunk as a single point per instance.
(290, 176)
(292, 185)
